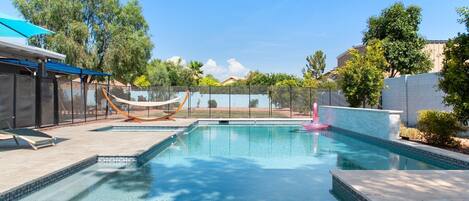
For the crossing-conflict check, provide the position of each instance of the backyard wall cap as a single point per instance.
(363, 109)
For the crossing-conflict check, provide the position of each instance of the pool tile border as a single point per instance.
(41, 182)
(343, 191)
(404, 146)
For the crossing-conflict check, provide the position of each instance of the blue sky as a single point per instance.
(234, 36)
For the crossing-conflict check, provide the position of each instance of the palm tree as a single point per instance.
(196, 70)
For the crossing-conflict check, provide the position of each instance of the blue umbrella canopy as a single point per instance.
(15, 27)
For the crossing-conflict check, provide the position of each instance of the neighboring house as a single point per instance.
(434, 49)
(231, 80)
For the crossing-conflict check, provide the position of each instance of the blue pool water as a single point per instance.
(229, 162)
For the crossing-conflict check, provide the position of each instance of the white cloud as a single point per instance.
(177, 60)
(235, 68)
(211, 67)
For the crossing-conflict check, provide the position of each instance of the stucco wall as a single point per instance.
(377, 123)
(412, 93)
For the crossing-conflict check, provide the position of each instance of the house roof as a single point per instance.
(21, 51)
(232, 78)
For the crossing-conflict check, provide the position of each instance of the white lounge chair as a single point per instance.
(36, 139)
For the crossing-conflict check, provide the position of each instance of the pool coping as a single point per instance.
(34, 185)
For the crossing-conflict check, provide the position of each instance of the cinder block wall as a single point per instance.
(412, 93)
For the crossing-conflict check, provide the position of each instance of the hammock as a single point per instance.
(145, 104)
(169, 116)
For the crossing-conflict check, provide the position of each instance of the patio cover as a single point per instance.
(55, 67)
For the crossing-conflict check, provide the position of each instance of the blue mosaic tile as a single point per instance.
(39, 183)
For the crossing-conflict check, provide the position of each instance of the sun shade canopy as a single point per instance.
(55, 67)
(14, 27)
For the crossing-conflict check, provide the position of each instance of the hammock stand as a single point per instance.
(169, 115)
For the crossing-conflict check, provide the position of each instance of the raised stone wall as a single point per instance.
(382, 124)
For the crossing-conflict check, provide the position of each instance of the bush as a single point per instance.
(253, 103)
(410, 133)
(438, 128)
(212, 104)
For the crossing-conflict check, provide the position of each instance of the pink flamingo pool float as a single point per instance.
(315, 125)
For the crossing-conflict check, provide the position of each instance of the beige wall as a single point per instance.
(434, 49)
(435, 52)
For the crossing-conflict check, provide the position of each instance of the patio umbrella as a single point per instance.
(14, 27)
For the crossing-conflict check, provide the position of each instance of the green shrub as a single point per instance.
(253, 103)
(212, 104)
(438, 128)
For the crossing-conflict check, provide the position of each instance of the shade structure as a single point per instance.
(55, 67)
(15, 27)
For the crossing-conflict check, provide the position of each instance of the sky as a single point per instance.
(232, 37)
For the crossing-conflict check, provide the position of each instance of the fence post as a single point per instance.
(291, 112)
(107, 89)
(330, 97)
(269, 92)
(96, 99)
(229, 101)
(129, 98)
(189, 103)
(71, 100)
(310, 102)
(148, 99)
(169, 98)
(209, 101)
(83, 90)
(249, 103)
(38, 100)
(56, 101)
(14, 100)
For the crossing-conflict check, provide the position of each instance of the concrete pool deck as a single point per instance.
(405, 185)
(75, 143)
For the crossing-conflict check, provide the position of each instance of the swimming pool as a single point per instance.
(236, 162)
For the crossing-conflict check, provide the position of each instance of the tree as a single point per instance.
(362, 77)
(309, 81)
(196, 70)
(100, 35)
(209, 80)
(142, 81)
(464, 13)
(316, 64)
(157, 73)
(397, 27)
(455, 72)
